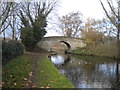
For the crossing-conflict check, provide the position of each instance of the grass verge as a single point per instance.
(48, 76)
(15, 73)
(108, 49)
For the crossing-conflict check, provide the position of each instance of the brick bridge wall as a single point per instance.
(54, 43)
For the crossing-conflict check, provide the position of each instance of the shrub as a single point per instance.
(30, 36)
(27, 38)
(11, 49)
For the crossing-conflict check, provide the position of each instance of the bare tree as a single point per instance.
(33, 16)
(13, 21)
(31, 11)
(114, 17)
(70, 25)
(5, 12)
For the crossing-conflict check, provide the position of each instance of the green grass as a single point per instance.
(106, 49)
(15, 72)
(94, 59)
(49, 77)
(81, 51)
(77, 51)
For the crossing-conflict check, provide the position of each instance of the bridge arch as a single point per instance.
(61, 43)
(67, 44)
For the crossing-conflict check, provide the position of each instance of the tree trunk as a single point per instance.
(118, 36)
(13, 27)
(118, 40)
(13, 34)
(4, 35)
(117, 74)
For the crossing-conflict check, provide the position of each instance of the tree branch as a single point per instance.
(112, 9)
(108, 14)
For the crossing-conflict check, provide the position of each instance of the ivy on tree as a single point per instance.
(33, 16)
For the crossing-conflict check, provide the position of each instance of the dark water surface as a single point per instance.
(89, 72)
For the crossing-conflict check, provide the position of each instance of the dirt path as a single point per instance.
(34, 57)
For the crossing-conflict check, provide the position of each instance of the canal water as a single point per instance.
(88, 72)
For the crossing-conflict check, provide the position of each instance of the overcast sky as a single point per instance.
(89, 8)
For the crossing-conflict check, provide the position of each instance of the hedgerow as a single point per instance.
(11, 49)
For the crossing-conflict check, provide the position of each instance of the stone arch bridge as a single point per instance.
(55, 43)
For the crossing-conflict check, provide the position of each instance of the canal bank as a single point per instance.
(33, 70)
(95, 53)
(107, 49)
(47, 76)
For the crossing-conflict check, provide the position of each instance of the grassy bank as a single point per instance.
(15, 73)
(33, 71)
(49, 76)
(108, 49)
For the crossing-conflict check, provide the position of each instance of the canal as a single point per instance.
(88, 72)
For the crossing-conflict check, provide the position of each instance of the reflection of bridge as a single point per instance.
(61, 43)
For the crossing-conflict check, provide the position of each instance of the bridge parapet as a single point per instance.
(49, 43)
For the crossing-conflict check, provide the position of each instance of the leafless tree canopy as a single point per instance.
(70, 25)
(31, 11)
(15, 15)
(6, 8)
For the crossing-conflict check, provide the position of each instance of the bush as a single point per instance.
(30, 36)
(27, 38)
(11, 49)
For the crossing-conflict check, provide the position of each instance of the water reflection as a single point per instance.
(89, 72)
(60, 59)
(57, 60)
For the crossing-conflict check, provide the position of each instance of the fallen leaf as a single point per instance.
(51, 81)
(47, 87)
(33, 86)
(10, 75)
(22, 84)
(15, 84)
(29, 81)
(25, 79)
(30, 74)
